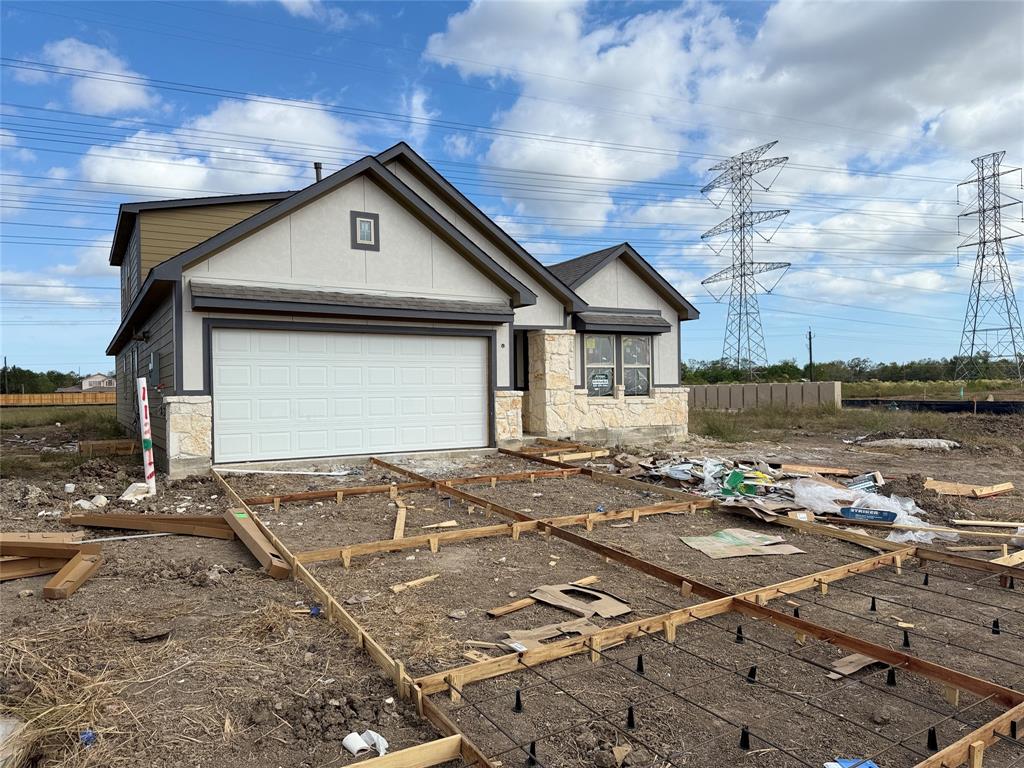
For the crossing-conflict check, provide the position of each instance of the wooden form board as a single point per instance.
(241, 522)
(988, 523)
(24, 567)
(421, 756)
(965, 748)
(73, 575)
(61, 537)
(209, 526)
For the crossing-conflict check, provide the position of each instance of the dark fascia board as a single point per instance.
(649, 274)
(640, 330)
(149, 295)
(447, 191)
(262, 306)
(521, 294)
(127, 213)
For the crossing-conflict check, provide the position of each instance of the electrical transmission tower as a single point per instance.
(744, 347)
(992, 344)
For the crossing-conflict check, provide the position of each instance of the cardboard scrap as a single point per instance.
(739, 542)
(581, 600)
(530, 639)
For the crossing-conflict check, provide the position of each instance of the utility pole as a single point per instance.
(744, 346)
(810, 355)
(992, 332)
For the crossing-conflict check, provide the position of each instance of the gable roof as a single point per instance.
(127, 213)
(575, 272)
(438, 184)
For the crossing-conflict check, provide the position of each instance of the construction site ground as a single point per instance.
(181, 651)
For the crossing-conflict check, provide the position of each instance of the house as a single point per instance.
(378, 310)
(96, 382)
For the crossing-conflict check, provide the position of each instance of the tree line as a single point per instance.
(16, 381)
(853, 370)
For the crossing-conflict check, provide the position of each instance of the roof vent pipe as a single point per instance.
(318, 168)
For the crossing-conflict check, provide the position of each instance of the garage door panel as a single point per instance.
(294, 394)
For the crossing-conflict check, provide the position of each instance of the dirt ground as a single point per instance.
(180, 651)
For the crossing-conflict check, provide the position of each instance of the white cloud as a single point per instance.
(414, 104)
(9, 145)
(90, 261)
(118, 92)
(254, 146)
(42, 286)
(459, 145)
(331, 16)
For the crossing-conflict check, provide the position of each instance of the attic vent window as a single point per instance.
(365, 231)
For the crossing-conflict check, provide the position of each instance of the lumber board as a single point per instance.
(61, 538)
(1017, 558)
(960, 750)
(812, 469)
(402, 471)
(250, 534)
(73, 575)
(987, 523)
(983, 492)
(972, 563)
(835, 520)
(947, 488)
(471, 754)
(208, 526)
(979, 687)
(64, 550)
(332, 493)
(399, 521)
(24, 567)
(425, 755)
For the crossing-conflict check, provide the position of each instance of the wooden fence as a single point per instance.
(61, 398)
(741, 397)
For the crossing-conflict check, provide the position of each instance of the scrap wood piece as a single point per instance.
(1015, 559)
(208, 526)
(593, 601)
(73, 575)
(396, 588)
(399, 520)
(23, 567)
(445, 524)
(849, 664)
(265, 552)
(55, 549)
(739, 542)
(946, 488)
(531, 639)
(526, 602)
(988, 523)
(60, 538)
(811, 469)
(427, 755)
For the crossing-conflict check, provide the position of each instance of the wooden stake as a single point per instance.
(952, 695)
(976, 754)
(400, 522)
(72, 576)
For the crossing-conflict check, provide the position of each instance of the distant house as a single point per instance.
(94, 382)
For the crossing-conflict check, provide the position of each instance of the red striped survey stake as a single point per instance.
(147, 435)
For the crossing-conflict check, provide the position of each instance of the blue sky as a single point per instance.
(575, 125)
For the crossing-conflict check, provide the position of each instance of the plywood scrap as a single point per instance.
(580, 600)
(739, 542)
(526, 602)
(257, 543)
(531, 639)
(397, 588)
(945, 488)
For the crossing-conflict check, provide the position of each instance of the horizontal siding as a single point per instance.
(160, 331)
(166, 233)
(131, 277)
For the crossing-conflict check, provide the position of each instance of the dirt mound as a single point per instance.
(931, 502)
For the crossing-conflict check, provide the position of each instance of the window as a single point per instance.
(365, 231)
(636, 364)
(599, 360)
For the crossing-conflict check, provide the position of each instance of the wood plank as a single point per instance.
(399, 521)
(1017, 558)
(811, 469)
(984, 688)
(992, 490)
(60, 537)
(208, 526)
(833, 520)
(24, 567)
(332, 493)
(946, 488)
(397, 588)
(959, 751)
(54, 549)
(73, 575)
(257, 543)
(987, 523)
(421, 756)
(972, 563)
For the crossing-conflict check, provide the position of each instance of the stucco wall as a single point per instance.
(548, 311)
(618, 286)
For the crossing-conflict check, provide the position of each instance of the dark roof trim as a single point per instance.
(127, 214)
(577, 271)
(426, 173)
(621, 323)
(261, 299)
(150, 294)
(521, 294)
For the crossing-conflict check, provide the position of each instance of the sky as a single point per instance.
(574, 125)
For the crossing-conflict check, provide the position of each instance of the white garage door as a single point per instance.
(297, 394)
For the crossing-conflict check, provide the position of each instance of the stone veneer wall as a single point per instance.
(555, 408)
(508, 415)
(189, 434)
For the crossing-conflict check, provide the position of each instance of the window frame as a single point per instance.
(355, 217)
(649, 366)
(613, 365)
